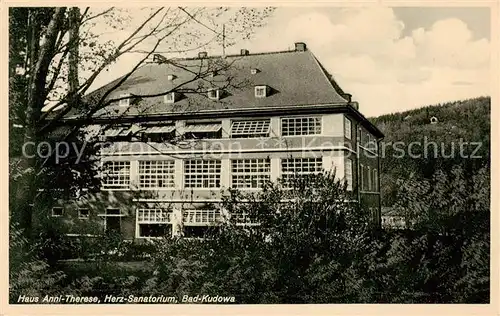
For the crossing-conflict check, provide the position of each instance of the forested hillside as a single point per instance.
(415, 148)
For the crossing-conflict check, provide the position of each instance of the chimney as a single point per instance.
(300, 47)
(157, 58)
(244, 52)
(347, 96)
(202, 55)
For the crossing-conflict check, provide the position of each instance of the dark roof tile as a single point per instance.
(295, 78)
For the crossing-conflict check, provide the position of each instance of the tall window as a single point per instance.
(347, 128)
(362, 176)
(154, 223)
(156, 174)
(250, 173)
(291, 126)
(250, 129)
(369, 175)
(375, 180)
(202, 173)
(348, 173)
(116, 175)
(292, 167)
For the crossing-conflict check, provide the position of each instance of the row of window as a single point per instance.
(368, 179)
(290, 126)
(83, 213)
(245, 173)
(152, 216)
(260, 91)
(157, 222)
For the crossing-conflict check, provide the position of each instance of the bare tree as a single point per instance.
(58, 53)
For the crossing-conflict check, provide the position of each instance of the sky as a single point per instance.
(389, 59)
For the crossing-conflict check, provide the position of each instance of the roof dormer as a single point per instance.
(214, 94)
(124, 99)
(171, 97)
(261, 91)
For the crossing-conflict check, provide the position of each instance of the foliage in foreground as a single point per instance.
(312, 247)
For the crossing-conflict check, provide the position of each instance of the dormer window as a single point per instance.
(124, 102)
(171, 77)
(169, 97)
(261, 91)
(213, 94)
(253, 71)
(57, 212)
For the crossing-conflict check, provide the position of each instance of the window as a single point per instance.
(197, 223)
(375, 180)
(116, 175)
(203, 130)
(171, 77)
(112, 221)
(153, 216)
(371, 143)
(169, 98)
(261, 91)
(202, 173)
(250, 173)
(213, 94)
(369, 177)
(156, 174)
(244, 219)
(158, 133)
(368, 141)
(250, 129)
(83, 213)
(124, 102)
(201, 217)
(300, 126)
(253, 71)
(119, 133)
(113, 211)
(57, 211)
(347, 128)
(348, 173)
(154, 223)
(300, 166)
(362, 175)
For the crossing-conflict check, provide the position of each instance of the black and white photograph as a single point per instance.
(236, 155)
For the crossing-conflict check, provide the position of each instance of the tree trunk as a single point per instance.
(40, 59)
(74, 41)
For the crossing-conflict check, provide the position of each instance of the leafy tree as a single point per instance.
(436, 146)
(293, 242)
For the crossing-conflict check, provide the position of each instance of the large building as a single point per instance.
(226, 122)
